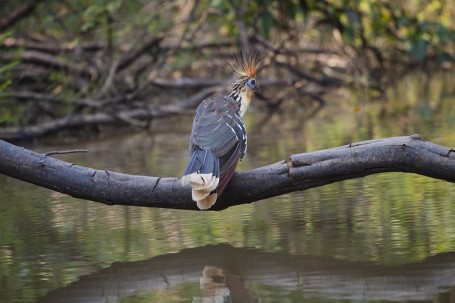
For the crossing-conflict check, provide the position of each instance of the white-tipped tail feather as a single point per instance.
(207, 202)
(202, 185)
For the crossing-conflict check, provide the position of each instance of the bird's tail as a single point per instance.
(203, 174)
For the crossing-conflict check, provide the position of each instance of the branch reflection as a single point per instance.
(222, 273)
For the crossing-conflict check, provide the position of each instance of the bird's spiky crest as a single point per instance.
(247, 64)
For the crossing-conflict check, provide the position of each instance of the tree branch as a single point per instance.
(55, 62)
(51, 47)
(21, 12)
(103, 118)
(133, 55)
(64, 152)
(302, 171)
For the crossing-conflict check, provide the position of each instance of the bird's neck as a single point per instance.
(243, 97)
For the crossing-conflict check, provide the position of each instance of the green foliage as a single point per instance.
(5, 73)
(10, 112)
(383, 25)
(10, 109)
(417, 28)
(99, 13)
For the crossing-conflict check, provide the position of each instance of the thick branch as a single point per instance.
(186, 83)
(51, 47)
(79, 120)
(132, 56)
(302, 171)
(17, 15)
(55, 62)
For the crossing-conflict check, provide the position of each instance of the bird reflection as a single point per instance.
(220, 287)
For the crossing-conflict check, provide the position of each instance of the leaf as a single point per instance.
(267, 22)
(419, 49)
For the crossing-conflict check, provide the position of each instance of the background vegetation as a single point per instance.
(68, 64)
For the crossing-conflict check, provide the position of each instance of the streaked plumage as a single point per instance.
(218, 138)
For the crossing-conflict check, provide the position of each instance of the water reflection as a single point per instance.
(381, 222)
(222, 273)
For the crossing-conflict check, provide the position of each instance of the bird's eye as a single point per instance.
(252, 81)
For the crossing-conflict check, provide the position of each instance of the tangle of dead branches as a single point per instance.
(50, 84)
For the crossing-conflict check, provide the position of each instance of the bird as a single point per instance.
(218, 138)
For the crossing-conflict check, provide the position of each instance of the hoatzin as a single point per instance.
(218, 138)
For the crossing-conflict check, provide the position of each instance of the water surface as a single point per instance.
(384, 238)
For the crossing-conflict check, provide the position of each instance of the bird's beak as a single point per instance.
(256, 89)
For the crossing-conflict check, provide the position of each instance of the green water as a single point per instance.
(384, 238)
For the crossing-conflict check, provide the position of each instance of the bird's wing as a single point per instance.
(218, 127)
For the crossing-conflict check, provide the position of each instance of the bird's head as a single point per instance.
(252, 84)
(245, 67)
(246, 84)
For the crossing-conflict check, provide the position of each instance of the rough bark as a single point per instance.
(409, 154)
